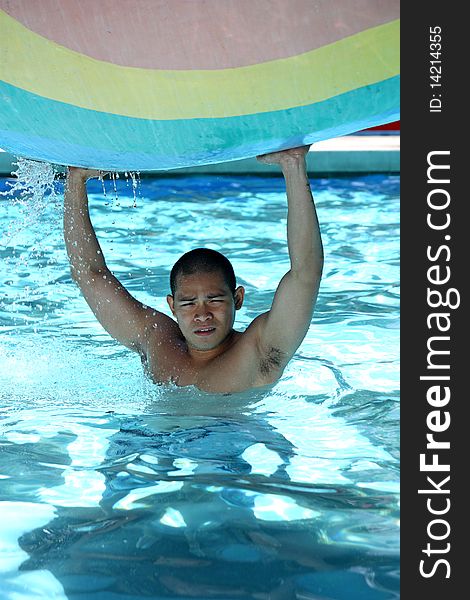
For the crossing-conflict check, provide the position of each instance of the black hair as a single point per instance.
(203, 260)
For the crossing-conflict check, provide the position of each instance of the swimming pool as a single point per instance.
(113, 488)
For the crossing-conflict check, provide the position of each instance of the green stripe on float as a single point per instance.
(43, 129)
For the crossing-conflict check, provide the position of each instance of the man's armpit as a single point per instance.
(272, 360)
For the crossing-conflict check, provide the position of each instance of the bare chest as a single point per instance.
(237, 369)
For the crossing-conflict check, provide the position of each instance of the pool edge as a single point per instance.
(346, 154)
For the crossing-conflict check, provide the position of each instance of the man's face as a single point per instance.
(205, 308)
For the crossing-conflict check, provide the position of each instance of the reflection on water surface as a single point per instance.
(113, 488)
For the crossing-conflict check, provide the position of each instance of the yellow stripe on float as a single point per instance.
(38, 65)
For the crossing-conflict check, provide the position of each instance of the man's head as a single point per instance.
(202, 260)
(204, 297)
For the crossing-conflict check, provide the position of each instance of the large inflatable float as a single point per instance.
(160, 84)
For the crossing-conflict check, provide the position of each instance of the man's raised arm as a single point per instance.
(284, 327)
(124, 318)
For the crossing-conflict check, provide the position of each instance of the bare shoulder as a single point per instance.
(164, 348)
(271, 360)
(160, 328)
(252, 333)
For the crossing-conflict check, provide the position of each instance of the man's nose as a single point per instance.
(202, 314)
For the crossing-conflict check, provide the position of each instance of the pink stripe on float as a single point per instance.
(197, 34)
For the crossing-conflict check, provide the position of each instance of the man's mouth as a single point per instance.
(203, 331)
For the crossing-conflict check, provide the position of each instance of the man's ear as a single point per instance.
(239, 296)
(171, 303)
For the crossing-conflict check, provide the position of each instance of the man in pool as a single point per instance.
(200, 347)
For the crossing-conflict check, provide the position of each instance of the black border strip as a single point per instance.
(434, 269)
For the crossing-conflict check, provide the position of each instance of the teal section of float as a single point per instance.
(67, 134)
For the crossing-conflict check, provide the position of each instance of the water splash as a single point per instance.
(33, 191)
(103, 185)
(114, 176)
(136, 185)
(30, 242)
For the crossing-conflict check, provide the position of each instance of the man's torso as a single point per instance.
(239, 367)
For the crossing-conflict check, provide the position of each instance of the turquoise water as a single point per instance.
(112, 488)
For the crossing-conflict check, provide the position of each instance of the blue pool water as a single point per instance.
(112, 488)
